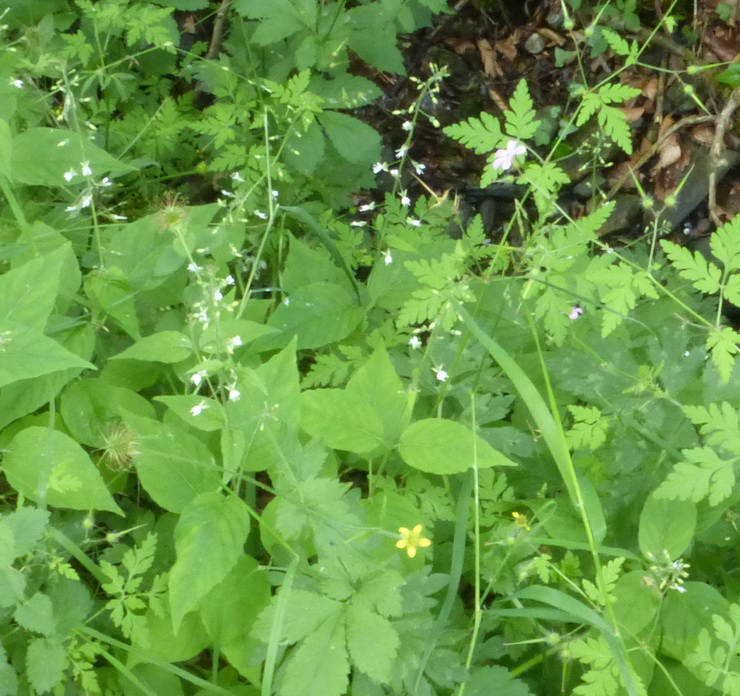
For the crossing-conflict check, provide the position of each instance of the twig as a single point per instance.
(218, 30)
(715, 153)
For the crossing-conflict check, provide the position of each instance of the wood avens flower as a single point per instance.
(411, 539)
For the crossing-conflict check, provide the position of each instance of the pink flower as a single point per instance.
(575, 312)
(505, 158)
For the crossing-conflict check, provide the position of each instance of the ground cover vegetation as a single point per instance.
(330, 363)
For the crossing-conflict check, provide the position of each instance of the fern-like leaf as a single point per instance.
(702, 474)
(703, 275)
(520, 118)
(482, 135)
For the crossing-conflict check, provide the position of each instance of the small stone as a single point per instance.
(535, 44)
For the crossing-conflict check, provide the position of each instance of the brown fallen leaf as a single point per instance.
(554, 37)
(488, 58)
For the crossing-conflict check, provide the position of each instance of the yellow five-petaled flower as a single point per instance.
(411, 539)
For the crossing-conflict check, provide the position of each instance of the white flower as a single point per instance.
(236, 341)
(236, 176)
(441, 374)
(234, 394)
(230, 280)
(379, 167)
(194, 267)
(198, 408)
(419, 167)
(286, 301)
(402, 151)
(105, 181)
(405, 200)
(394, 173)
(16, 83)
(203, 316)
(358, 223)
(413, 222)
(197, 377)
(86, 171)
(387, 258)
(505, 158)
(260, 214)
(218, 296)
(367, 207)
(68, 176)
(407, 125)
(86, 200)
(415, 342)
(275, 194)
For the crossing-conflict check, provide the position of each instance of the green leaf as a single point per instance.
(704, 276)
(36, 614)
(440, 446)
(209, 539)
(50, 467)
(27, 526)
(372, 642)
(353, 139)
(482, 135)
(304, 613)
(243, 593)
(635, 603)
(61, 151)
(279, 18)
(319, 666)
(209, 419)
(45, 663)
(724, 344)
(702, 474)
(26, 353)
(173, 466)
(666, 528)
(520, 118)
(164, 347)
(485, 681)
(318, 314)
(28, 292)
(374, 37)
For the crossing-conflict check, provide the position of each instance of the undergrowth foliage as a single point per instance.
(256, 441)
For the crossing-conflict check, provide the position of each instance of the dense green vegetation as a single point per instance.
(274, 423)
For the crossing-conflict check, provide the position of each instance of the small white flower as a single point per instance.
(504, 159)
(415, 342)
(380, 167)
(405, 200)
(286, 301)
(230, 280)
(413, 222)
(686, 353)
(394, 173)
(407, 125)
(194, 267)
(367, 207)
(118, 217)
(86, 200)
(197, 377)
(105, 181)
(16, 83)
(387, 258)
(441, 374)
(234, 394)
(218, 296)
(203, 316)
(86, 171)
(236, 341)
(68, 176)
(402, 151)
(198, 408)
(358, 223)
(260, 214)
(275, 194)
(236, 176)
(419, 168)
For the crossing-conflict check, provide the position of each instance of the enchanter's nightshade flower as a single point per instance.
(387, 258)
(198, 409)
(197, 377)
(407, 125)
(442, 375)
(402, 151)
(234, 394)
(504, 159)
(405, 200)
(411, 539)
(86, 171)
(415, 342)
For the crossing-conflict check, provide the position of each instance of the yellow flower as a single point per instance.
(412, 540)
(521, 520)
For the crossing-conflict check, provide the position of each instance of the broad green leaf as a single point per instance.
(306, 265)
(172, 645)
(372, 642)
(28, 292)
(304, 613)
(208, 414)
(61, 151)
(341, 420)
(244, 592)
(635, 602)
(26, 353)
(36, 614)
(50, 467)
(279, 19)
(666, 528)
(164, 347)
(374, 37)
(46, 659)
(173, 466)
(319, 666)
(318, 314)
(209, 539)
(109, 292)
(12, 586)
(485, 681)
(26, 526)
(441, 446)
(353, 139)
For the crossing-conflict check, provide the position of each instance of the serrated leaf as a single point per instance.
(725, 244)
(701, 475)
(482, 135)
(486, 681)
(209, 539)
(47, 465)
(27, 525)
(374, 37)
(304, 613)
(36, 614)
(441, 446)
(319, 667)
(724, 344)
(614, 124)
(520, 117)
(45, 663)
(353, 139)
(372, 643)
(28, 292)
(704, 276)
